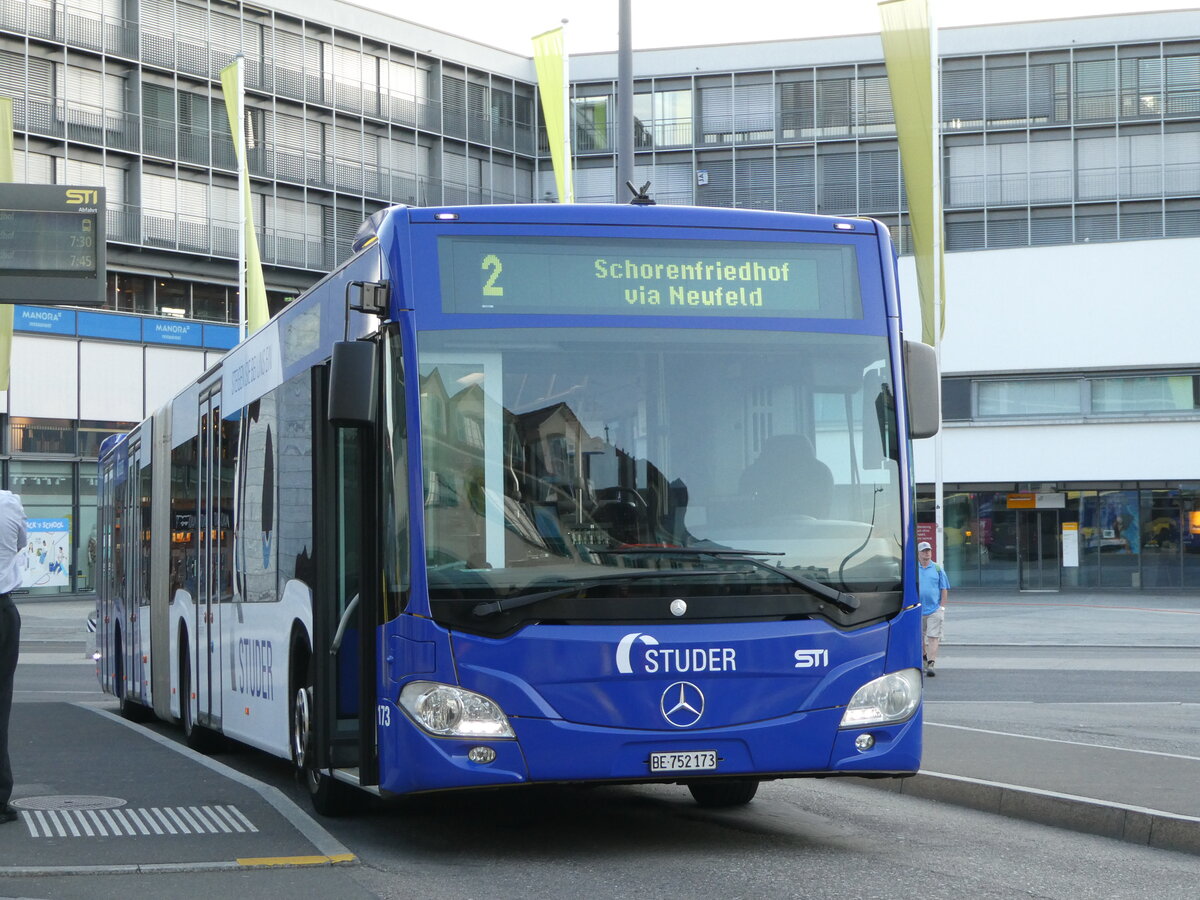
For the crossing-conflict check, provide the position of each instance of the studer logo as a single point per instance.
(665, 660)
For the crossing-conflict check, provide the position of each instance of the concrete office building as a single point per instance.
(1071, 173)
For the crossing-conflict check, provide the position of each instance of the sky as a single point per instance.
(592, 24)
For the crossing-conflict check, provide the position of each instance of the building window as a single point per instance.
(172, 299)
(133, 294)
(210, 302)
(92, 435)
(672, 118)
(1137, 395)
(47, 493)
(1095, 90)
(41, 436)
(1153, 393)
(1040, 397)
(1183, 85)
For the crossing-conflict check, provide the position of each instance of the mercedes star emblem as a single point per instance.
(682, 704)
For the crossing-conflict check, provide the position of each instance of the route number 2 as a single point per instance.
(490, 288)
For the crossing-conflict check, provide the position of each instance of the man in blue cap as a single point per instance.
(934, 587)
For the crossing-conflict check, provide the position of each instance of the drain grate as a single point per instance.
(154, 821)
(68, 802)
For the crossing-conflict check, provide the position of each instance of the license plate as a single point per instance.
(691, 761)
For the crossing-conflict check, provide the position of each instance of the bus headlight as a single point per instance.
(892, 698)
(447, 711)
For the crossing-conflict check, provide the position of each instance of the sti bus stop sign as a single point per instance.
(52, 244)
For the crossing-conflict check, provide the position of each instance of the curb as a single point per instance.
(1134, 824)
(329, 850)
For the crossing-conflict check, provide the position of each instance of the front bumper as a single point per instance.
(556, 751)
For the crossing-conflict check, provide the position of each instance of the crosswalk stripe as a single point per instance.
(137, 820)
(178, 821)
(153, 824)
(130, 822)
(212, 814)
(120, 816)
(57, 824)
(100, 825)
(249, 825)
(237, 826)
(203, 819)
(87, 826)
(195, 826)
(70, 820)
(170, 828)
(112, 823)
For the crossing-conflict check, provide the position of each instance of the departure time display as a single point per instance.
(52, 244)
(37, 241)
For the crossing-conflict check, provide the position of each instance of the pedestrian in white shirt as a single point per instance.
(12, 539)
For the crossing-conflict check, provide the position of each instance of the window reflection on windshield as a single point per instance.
(546, 453)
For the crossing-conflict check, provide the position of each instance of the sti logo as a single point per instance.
(79, 197)
(811, 659)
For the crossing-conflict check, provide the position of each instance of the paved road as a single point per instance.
(1077, 710)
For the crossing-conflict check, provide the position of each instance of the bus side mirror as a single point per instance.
(924, 386)
(352, 385)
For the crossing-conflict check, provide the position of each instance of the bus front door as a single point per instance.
(344, 625)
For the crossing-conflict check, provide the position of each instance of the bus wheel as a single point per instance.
(724, 794)
(329, 797)
(197, 737)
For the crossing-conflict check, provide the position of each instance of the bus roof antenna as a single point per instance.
(640, 197)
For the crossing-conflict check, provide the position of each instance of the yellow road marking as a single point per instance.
(261, 861)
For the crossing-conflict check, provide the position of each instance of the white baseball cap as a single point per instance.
(924, 545)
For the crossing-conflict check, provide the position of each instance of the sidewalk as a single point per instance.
(1130, 792)
(57, 630)
(1073, 620)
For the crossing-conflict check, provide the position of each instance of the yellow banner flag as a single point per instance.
(908, 52)
(551, 62)
(6, 139)
(257, 312)
(6, 174)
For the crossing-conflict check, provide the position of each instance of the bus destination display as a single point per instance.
(52, 244)
(622, 276)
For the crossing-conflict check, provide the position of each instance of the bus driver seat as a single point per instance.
(787, 477)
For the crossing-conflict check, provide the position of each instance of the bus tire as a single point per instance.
(724, 794)
(329, 797)
(197, 737)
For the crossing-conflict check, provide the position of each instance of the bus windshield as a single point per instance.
(573, 464)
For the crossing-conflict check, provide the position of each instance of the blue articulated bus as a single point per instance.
(541, 494)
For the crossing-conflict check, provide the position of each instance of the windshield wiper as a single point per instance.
(841, 599)
(499, 606)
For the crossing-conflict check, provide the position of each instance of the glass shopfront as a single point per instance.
(47, 491)
(1128, 536)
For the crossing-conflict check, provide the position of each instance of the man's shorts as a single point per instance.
(931, 625)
